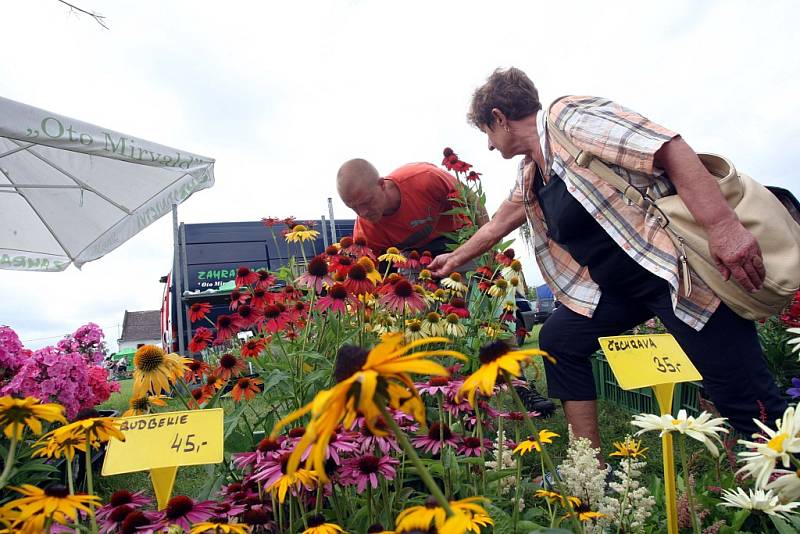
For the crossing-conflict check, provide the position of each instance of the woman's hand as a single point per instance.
(737, 254)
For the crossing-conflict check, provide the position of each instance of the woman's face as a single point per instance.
(499, 139)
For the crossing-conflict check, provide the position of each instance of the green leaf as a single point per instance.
(782, 526)
(739, 518)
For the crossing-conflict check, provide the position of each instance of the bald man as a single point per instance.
(404, 209)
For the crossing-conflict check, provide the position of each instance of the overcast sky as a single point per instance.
(280, 93)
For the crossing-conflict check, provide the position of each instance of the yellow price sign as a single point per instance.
(647, 360)
(168, 439)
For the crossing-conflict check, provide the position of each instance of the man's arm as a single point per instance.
(508, 218)
(733, 247)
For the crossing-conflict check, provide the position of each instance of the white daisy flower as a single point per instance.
(702, 428)
(787, 485)
(771, 446)
(758, 500)
(794, 341)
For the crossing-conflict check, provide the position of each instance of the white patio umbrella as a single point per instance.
(70, 192)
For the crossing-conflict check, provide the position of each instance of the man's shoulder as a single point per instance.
(420, 170)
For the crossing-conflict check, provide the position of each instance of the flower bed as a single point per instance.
(383, 402)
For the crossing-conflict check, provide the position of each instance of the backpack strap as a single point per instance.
(587, 160)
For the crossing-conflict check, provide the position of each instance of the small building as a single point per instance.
(140, 328)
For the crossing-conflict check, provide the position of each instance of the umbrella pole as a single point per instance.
(177, 274)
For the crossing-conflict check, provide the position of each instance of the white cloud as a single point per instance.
(281, 93)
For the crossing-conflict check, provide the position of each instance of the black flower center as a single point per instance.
(268, 445)
(438, 431)
(368, 464)
(272, 311)
(149, 358)
(228, 361)
(472, 442)
(317, 267)
(56, 490)
(132, 522)
(346, 242)
(357, 273)
(403, 289)
(493, 351)
(315, 521)
(297, 432)
(120, 512)
(338, 292)
(349, 360)
(178, 507)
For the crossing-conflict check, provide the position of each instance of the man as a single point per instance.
(405, 210)
(611, 265)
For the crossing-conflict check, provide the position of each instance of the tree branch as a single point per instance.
(100, 19)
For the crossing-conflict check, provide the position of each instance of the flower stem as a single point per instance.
(412, 455)
(12, 452)
(70, 483)
(688, 484)
(89, 479)
(548, 461)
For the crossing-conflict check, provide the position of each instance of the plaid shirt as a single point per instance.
(626, 142)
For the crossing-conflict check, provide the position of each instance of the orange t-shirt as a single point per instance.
(424, 190)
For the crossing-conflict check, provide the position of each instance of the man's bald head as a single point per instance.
(356, 175)
(361, 188)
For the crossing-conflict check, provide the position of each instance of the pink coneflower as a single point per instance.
(228, 510)
(402, 295)
(267, 448)
(265, 279)
(112, 518)
(341, 266)
(336, 300)
(340, 442)
(275, 318)
(457, 409)
(471, 446)
(183, 511)
(369, 442)
(238, 297)
(473, 176)
(229, 366)
(261, 297)
(505, 257)
(123, 498)
(437, 384)
(316, 275)
(226, 327)
(245, 276)
(138, 522)
(271, 468)
(298, 312)
(458, 306)
(195, 370)
(202, 337)
(253, 347)
(198, 311)
(363, 470)
(357, 282)
(426, 258)
(412, 262)
(246, 316)
(346, 242)
(437, 436)
(360, 248)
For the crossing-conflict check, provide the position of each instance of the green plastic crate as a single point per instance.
(686, 395)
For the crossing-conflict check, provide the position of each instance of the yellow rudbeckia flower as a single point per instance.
(360, 375)
(18, 414)
(495, 357)
(300, 233)
(216, 527)
(155, 370)
(630, 448)
(392, 255)
(524, 447)
(36, 505)
(469, 515)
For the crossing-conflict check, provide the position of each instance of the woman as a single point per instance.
(609, 264)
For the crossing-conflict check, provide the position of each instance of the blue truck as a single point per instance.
(208, 255)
